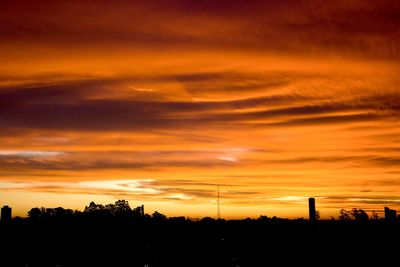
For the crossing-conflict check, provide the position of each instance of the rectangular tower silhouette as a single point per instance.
(311, 209)
(390, 215)
(5, 214)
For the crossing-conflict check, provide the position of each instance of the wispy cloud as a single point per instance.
(30, 154)
(272, 100)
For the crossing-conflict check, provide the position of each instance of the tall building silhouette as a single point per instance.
(390, 214)
(311, 209)
(5, 214)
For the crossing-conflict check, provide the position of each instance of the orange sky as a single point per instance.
(158, 103)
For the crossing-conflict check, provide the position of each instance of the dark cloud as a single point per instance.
(76, 105)
(313, 110)
(181, 159)
(386, 161)
(104, 162)
(330, 119)
(364, 27)
(80, 105)
(360, 161)
(130, 115)
(200, 84)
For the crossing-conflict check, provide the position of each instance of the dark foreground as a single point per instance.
(180, 242)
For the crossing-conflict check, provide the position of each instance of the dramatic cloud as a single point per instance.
(361, 27)
(159, 102)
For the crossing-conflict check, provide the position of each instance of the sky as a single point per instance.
(159, 102)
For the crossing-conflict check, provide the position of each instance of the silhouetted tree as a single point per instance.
(122, 206)
(359, 215)
(158, 216)
(50, 213)
(374, 216)
(119, 208)
(344, 215)
(93, 207)
(35, 213)
(138, 211)
(263, 218)
(62, 213)
(207, 220)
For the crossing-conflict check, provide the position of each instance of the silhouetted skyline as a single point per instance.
(118, 235)
(357, 214)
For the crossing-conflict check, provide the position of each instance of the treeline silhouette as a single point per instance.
(117, 235)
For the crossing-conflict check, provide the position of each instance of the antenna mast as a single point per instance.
(218, 210)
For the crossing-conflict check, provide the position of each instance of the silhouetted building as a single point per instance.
(311, 209)
(5, 214)
(390, 215)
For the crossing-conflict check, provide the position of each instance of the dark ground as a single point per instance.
(91, 241)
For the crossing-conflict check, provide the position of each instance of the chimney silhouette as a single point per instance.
(311, 209)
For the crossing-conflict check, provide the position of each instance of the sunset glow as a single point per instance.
(158, 103)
